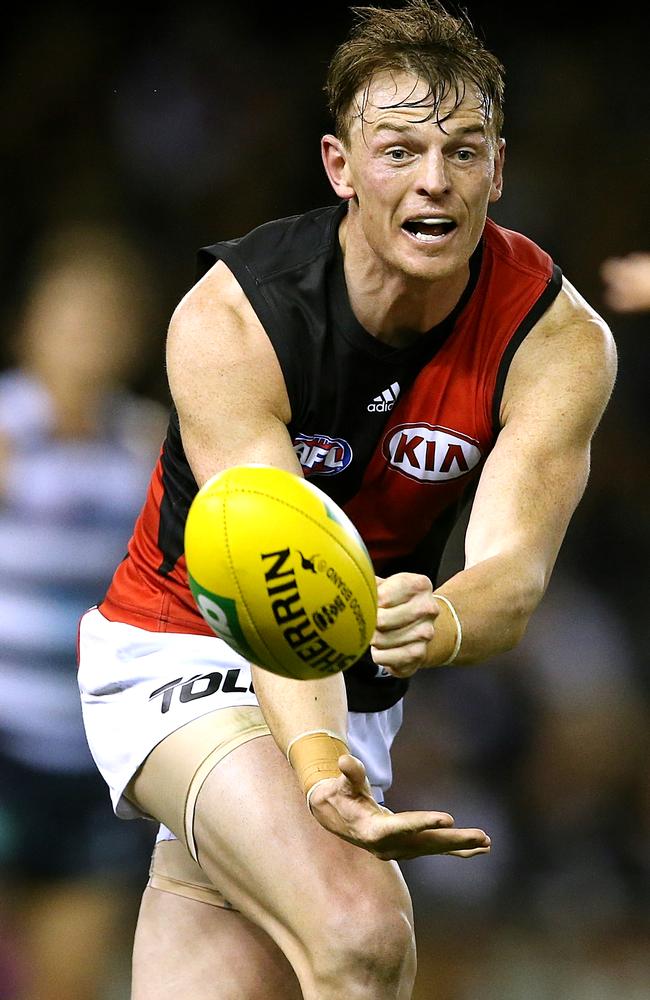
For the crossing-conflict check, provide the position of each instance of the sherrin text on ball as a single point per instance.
(279, 572)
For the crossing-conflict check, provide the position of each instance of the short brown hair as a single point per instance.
(420, 38)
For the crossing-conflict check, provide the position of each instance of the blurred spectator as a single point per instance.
(627, 282)
(76, 451)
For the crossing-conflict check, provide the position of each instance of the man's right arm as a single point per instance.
(226, 381)
(233, 409)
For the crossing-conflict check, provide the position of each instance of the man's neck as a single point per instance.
(394, 307)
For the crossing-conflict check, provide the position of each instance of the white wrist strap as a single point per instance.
(459, 629)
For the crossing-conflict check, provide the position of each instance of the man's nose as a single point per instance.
(433, 179)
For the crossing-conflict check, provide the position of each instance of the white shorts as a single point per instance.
(137, 687)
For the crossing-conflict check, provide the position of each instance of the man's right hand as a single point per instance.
(345, 806)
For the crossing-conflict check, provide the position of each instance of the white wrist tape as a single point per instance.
(459, 629)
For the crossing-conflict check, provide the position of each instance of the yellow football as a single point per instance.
(279, 572)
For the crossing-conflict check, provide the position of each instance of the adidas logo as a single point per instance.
(386, 401)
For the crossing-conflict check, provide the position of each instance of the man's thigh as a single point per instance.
(258, 844)
(169, 781)
(186, 949)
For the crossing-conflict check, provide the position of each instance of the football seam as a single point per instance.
(318, 524)
(239, 589)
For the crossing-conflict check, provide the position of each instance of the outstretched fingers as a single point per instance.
(413, 834)
(345, 806)
(468, 854)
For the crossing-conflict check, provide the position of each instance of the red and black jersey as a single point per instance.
(396, 436)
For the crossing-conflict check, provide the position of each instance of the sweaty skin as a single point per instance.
(240, 368)
(398, 170)
(418, 192)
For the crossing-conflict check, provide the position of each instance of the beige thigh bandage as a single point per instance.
(174, 870)
(168, 783)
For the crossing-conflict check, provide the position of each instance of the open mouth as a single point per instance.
(428, 230)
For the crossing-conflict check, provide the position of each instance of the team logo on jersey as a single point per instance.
(429, 453)
(320, 455)
(385, 401)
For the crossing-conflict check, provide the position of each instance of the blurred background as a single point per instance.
(132, 139)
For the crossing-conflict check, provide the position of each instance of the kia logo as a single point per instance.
(430, 454)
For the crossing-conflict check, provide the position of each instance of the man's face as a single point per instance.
(421, 189)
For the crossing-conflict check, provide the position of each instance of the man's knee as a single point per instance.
(368, 940)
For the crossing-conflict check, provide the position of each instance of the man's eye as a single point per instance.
(397, 154)
(465, 155)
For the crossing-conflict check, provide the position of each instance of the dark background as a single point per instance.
(192, 123)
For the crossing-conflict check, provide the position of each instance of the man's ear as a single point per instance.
(335, 161)
(497, 181)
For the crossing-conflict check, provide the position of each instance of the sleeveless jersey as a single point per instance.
(396, 436)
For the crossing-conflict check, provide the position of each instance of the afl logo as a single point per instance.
(430, 454)
(320, 455)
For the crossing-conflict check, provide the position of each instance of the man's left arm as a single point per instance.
(556, 392)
